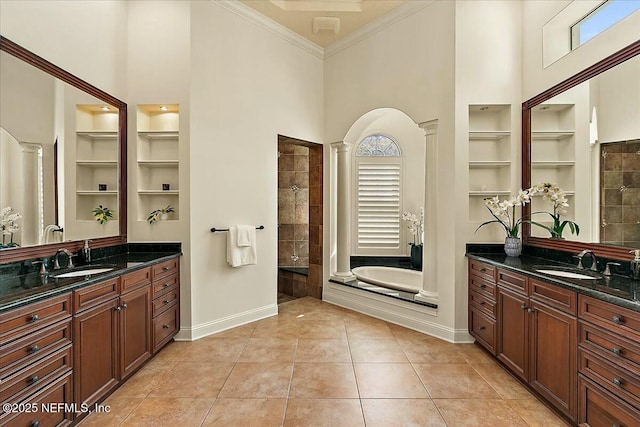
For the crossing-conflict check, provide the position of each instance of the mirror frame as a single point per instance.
(603, 250)
(37, 251)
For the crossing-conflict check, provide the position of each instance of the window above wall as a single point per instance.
(603, 17)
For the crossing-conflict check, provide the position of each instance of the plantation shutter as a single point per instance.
(378, 203)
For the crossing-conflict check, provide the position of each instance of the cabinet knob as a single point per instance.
(617, 320)
(482, 303)
(483, 286)
(617, 351)
(166, 268)
(530, 310)
(34, 317)
(617, 381)
(34, 348)
(165, 326)
(482, 328)
(35, 424)
(118, 308)
(124, 305)
(166, 285)
(482, 270)
(167, 301)
(34, 379)
(523, 307)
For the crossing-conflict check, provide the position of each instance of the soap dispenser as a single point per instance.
(635, 265)
(86, 252)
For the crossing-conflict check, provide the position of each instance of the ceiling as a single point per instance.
(298, 16)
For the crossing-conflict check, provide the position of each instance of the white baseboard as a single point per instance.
(219, 325)
(413, 316)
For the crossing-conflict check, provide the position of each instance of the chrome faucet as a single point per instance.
(594, 260)
(56, 261)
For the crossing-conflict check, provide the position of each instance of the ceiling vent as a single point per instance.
(326, 25)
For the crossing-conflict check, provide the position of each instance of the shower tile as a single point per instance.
(612, 147)
(630, 161)
(285, 162)
(300, 150)
(315, 156)
(301, 248)
(315, 175)
(303, 261)
(632, 179)
(286, 215)
(613, 233)
(315, 195)
(315, 274)
(631, 146)
(631, 232)
(612, 179)
(612, 197)
(302, 214)
(285, 248)
(301, 163)
(631, 214)
(302, 197)
(613, 162)
(286, 179)
(301, 179)
(315, 215)
(286, 198)
(299, 288)
(612, 214)
(301, 232)
(314, 234)
(286, 148)
(315, 254)
(631, 196)
(286, 231)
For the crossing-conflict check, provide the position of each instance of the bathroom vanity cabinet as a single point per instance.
(581, 354)
(77, 347)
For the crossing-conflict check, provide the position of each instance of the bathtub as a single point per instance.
(401, 279)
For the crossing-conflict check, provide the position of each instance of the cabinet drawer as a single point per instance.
(600, 408)
(619, 382)
(166, 268)
(39, 374)
(562, 299)
(20, 353)
(24, 320)
(165, 284)
(483, 303)
(482, 286)
(612, 317)
(483, 329)
(135, 280)
(93, 295)
(481, 269)
(164, 301)
(165, 326)
(47, 401)
(614, 348)
(513, 281)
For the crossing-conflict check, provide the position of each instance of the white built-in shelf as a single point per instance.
(96, 193)
(552, 163)
(566, 193)
(99, 134)
(97, 163)
(159, 134)
(489, 193)
(499, 134)
(551, 134)
(158, 192)
(158, 163)
(479, 164)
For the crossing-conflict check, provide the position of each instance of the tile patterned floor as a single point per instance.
(316, 364)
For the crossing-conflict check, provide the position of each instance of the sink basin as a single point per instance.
(83, 272)
(568, 273)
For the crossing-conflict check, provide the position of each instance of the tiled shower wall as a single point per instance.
(620, 193)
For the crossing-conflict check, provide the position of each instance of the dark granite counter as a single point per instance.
(21, 283)
(616, 289)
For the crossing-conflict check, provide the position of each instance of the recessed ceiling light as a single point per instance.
(163, 108)
(484, 108)
(104, 108)
(544, 108)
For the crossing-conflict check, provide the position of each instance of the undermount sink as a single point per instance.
(568, 273)
(83, 272)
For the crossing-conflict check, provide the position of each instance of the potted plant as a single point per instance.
(504, 213)
(159, 213)
(557, 197)
(416, 226)
(9, 225)
(102, 214)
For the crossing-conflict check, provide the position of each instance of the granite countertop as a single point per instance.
(616, 289)
(20, 289)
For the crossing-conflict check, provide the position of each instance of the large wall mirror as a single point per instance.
(62, 155)
(584, 135)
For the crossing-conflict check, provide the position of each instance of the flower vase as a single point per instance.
(512, 246)
(416, 257)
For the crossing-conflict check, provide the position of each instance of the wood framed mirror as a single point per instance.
(92, 155)
(561, 144)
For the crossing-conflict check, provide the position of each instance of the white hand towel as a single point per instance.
(246, 235)
(237, 256)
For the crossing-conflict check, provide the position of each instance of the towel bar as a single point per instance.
(213, 230)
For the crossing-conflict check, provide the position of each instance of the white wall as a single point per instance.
(248, 86)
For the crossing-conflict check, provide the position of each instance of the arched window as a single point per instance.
(377, 197)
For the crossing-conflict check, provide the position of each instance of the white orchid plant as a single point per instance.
(415, 225)
(558, 198)
(504, 212)
(9, 225)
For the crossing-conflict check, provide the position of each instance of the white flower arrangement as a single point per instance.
(557, 197)
(416, 225)
(9, 224)
(504, 212)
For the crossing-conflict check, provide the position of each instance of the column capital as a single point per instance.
(341, 146)
(430, 127)
(30, 147)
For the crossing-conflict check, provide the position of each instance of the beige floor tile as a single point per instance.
(188, 379)
(369, 328)
(244, 331)
(246, 413)
(143, 381)
(377, 350)
(401, 413)
(506, 386)
(258, 380)
(323, 380)
(322, 350)
(119, 409)
(454, 381)
(324, 413)
(210, 350)
(472, 353)
(388, 380)
(269, 350)
(432, 351)
(162, 412)
(535, 413)
(321, 329)
(478, 413)
(276, 328)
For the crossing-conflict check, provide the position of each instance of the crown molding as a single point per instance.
(270, 25)
(373, 27)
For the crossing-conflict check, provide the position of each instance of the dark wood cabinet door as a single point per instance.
(95, 339)
(553, 363)
(135, 329)
(513, 331)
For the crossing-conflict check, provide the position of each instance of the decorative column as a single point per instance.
(343, 220)
(30, 210)
(429, 291)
